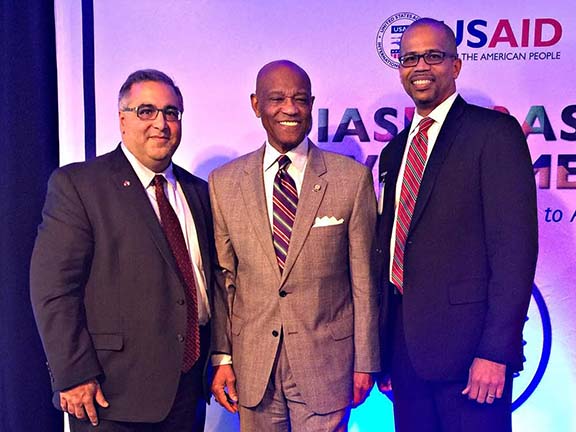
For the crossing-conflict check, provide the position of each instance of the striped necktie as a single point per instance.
(413, 171)
(284, 203)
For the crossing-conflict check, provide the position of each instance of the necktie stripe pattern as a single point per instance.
(413, 171)
(175, 237)
(284, 204)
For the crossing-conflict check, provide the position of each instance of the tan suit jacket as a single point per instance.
(325, 302)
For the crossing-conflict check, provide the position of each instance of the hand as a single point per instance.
(224, 378)
(384, 383)
(363, 383)
(81, 398)
(485, 381)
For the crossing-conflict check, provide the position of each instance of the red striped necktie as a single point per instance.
(413, 171)
(173, 232)
(284, 203)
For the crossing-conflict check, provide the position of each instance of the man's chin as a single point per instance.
(284, 147)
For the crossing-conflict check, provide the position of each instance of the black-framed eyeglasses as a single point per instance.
(430, 57)
(150, 112)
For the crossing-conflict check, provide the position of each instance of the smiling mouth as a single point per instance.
(289, 123)
(422, 82)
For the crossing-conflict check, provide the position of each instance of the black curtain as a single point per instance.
(29, 152)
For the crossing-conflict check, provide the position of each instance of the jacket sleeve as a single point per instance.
(365, 296)
(511, 232)
(225, 273)
(60, 266)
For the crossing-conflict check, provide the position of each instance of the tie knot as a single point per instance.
(158, 180)
(283, 162)
(425, 124)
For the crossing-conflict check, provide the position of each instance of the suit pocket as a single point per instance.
(237, 324)
(468, 291)
(343, 328)
(108, 341)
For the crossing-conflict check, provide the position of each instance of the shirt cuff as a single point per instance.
(221, 359)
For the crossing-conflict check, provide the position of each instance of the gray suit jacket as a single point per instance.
(325, 302)
(105, 288)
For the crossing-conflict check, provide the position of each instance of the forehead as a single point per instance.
(152, 92)
(422, 38)
(284, 79)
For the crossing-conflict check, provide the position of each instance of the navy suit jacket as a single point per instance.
(471, 248)
(105, 288)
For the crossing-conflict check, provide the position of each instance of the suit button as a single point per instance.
(180, 338)
(274, 333)
(409, 242)
(180, 302)
(283, 293)
(378, 251)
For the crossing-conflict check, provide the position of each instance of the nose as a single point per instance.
(421, 64)
(160, 121)
(289, 106)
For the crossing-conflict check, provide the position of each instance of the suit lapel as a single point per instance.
(441, 148)
(311, 195)
(390, 161)
(138, 204)
(199, 213)
(254, 195)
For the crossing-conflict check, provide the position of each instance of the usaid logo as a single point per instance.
(389, 34)
(529, 39)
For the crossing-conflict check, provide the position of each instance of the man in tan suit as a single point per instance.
(295, 315)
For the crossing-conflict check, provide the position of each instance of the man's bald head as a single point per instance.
(277, 65)
(283, 101)
(449, 36)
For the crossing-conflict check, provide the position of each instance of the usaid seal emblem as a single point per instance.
(389, 34)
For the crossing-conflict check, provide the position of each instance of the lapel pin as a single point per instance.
(126, 183)
(317, 188)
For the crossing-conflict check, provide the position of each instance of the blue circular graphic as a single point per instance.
(546, 349)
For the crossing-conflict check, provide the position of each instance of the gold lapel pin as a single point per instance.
(317, 188)
(126, 183)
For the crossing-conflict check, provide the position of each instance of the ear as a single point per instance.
(122, 120)
(457, 68)
(312, 99)
(255, 105)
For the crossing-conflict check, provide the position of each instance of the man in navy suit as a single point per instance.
(457, 236)
(117, 305)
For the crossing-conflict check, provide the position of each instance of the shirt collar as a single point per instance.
(145, 174)
(298, 155)
(438, 114)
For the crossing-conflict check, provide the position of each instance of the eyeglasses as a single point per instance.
(430, 57)
(150, 112)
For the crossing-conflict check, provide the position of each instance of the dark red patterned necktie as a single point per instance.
(413, 171)
(284, 203)
(173, 232)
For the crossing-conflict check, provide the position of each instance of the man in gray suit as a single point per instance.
(122, 302)
(295, 316)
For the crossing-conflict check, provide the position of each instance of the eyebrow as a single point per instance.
(283, 93)
(425, 51)
(152, 105)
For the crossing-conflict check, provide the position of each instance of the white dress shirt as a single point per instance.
(177, 200)
(438, 115)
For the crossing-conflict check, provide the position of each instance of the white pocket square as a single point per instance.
(326, 221)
